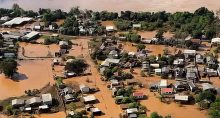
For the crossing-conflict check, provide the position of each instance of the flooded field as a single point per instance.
(151, 34)
(33, 74)
(119, 5)
(39, 50)
(154, 49)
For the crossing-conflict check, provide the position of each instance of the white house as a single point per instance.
(89, 98)
(158, 71)
(189, 52)
(207, 86)
(17, 102)
(136, 25)
(131, 110)
(183, 98)
(109, 28)
(47, 99)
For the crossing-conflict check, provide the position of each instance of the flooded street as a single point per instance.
(106, 102)
(119, 5)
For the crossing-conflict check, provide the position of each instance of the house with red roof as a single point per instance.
(167, 91)
(138, 95)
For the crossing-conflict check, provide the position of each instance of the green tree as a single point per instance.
(73, 106)
(141, 46)
(155, 115)
(214, 110)
(205, 95)
(8, 66)
(159, 34)
(77, 65)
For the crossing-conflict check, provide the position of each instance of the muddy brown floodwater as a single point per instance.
(106, 102)
(33, 74)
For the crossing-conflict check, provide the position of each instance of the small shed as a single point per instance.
(96, 111)
(155, 65)
(181, 98)
(199, 59)
(69, 97)
(136, 25)
(163, 83)
(88, 107)
(131, 110)
(9, 55)
(124, 106)
(158, 71)
(189, 52)
(61, 43)
(109, 28)
(84, 88)
(89, 99)
(34, 101)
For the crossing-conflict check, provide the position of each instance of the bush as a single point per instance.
(143, 74)
(51, 40)
(205, 95)
(141, 46)
(204, 104)
(155, 115)
(214, 111)
(126, 76)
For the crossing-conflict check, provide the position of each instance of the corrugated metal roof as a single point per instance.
(31, 34)
(17, 21)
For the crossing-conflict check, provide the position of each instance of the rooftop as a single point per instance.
(181, 97)
(31, 34)
(46, 97)
(89, 98)
(17, 21)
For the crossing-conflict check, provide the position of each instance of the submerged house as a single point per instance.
(163, 84)
(110, 28)
(17, 102)
(84, 88)
(89, 99)
(207, 86)
(109, 61)
(47, 99)
(113, 54)
(167, 91)
(199, 59)
(138, 95)
(34, 101)
(181, 98)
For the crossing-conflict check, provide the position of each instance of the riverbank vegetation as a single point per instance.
(201, 24)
